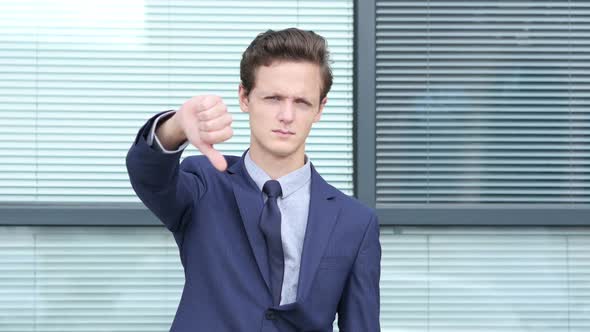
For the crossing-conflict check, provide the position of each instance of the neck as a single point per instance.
(274, 166)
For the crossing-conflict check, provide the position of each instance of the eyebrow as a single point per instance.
(297, 99)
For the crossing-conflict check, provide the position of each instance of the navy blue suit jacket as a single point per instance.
(214, 219)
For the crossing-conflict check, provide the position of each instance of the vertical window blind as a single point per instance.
(78, 79)
(483, 102)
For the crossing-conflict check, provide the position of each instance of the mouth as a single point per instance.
(283, 133)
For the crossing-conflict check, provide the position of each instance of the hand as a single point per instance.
(204, 121)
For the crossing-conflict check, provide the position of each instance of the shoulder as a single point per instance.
(353, 213)
(357, 225)
(352, 206)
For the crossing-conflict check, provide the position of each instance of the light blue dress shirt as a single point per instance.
(294, 207)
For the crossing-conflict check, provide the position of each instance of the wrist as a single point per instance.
(176, 128)
(170, 132)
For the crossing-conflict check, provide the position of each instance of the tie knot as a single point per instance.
(272, 188)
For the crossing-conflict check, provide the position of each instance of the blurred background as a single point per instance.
(465, 124)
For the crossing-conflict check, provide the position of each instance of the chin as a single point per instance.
(280, 150)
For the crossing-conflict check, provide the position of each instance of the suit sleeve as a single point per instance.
(167, 188)
(152, 138)
(358, 309)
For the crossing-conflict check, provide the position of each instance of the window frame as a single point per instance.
(72, 214)
(426, 214)
(364, 173)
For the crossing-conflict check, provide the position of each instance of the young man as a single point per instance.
(266, 244)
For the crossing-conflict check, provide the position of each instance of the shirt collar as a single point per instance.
(290, 183)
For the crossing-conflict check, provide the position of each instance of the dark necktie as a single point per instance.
(270, 223)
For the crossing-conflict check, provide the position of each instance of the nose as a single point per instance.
(287, 112)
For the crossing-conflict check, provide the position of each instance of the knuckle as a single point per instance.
(206, 125)
(216, 98)
(214, 137)
(202, 116)
(205, 137)
(208, 101)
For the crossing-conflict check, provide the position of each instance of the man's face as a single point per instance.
(283, 105)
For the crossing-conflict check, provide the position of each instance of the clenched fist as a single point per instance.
(203, 121)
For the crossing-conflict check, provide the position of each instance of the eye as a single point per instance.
(272, 98)
(303, 102)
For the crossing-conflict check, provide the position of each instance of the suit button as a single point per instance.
(270, 315)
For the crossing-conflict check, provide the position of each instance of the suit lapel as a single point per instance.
(323, 213)
(250, 203)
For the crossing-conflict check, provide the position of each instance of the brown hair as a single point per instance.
(288, 44)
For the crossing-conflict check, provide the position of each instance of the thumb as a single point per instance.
(214, 156)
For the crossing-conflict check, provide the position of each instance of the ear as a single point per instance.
(319, 113)
(243, 97)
